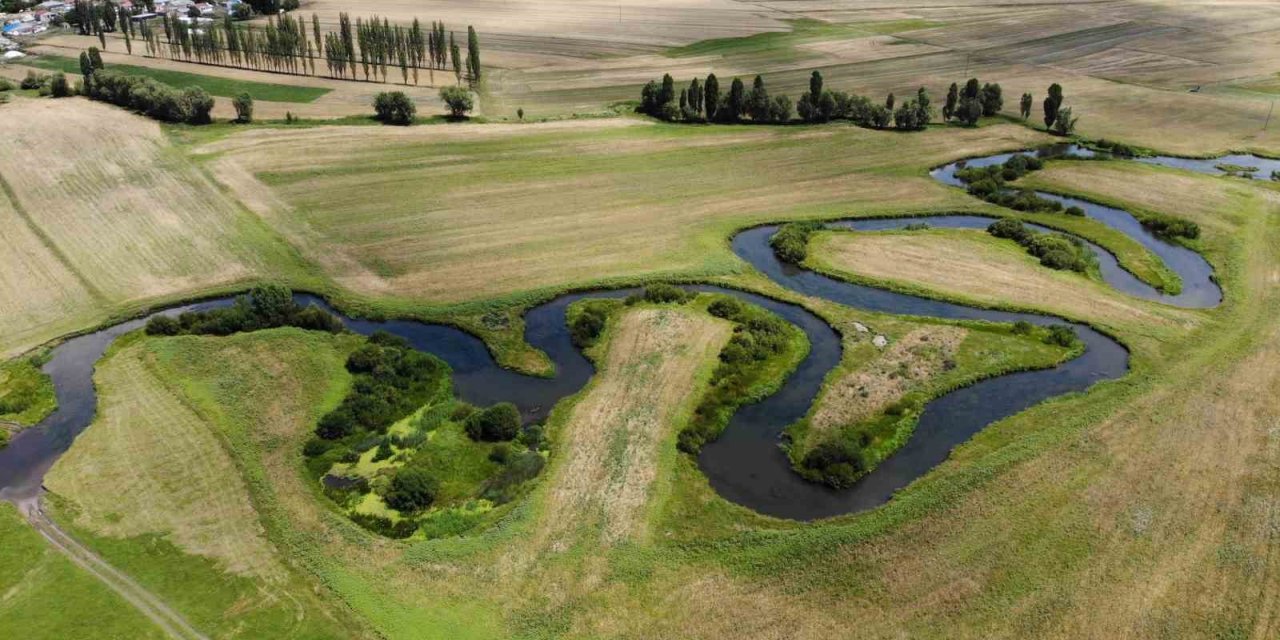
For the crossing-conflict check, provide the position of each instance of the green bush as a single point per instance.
(791, 242)
(412, 489)
(838, 463)
(499, 422)
(666, 293)
(519, 469)
(58, 86)
(192, 105)
(34, 81)
(1062, 336)
(586, 327)
(394, 107)
(457, 100)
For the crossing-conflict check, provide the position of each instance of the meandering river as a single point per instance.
(745, 465)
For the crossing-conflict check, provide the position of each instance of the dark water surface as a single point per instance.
(745, 465)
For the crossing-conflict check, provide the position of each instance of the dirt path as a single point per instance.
(151, 606)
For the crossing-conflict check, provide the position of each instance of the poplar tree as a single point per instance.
(456, 56)
(1051, 104)
(953, 99)
(473, 54)
(711, 96)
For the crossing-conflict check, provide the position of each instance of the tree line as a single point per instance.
(369, 47)
(706, 101)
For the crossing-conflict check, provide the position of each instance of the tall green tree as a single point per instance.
(455, 56)
(815, 86)
(1052, 103)
(737, 101)
(971, 89)
(473, 54)
(711, 97)
(1025, 106)
(758, 104)
(992, 98)
(953, 100)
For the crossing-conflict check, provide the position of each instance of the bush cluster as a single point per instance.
(1169, 226)
(264, 307)
(588, 325)
(989, 183)
(791, 242)
(146, 96)
(391, 380)
(499, 422)
(838, 463)
(394, 107)
(412, 489)
(757, 337)
(517, 469)
(1055, 250)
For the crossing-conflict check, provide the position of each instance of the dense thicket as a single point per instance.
(990, 183)
(264, 307)
(391, 380)
(1055, 250)
(191, 105)
(791, 242)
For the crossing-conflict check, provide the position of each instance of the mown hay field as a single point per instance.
(457, 213)
(1092, 516)
(102, 214)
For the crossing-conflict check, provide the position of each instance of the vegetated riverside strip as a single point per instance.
(744, 464)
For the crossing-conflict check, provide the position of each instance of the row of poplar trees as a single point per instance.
(285, 44)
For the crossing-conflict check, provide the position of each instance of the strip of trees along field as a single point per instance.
(367, 49)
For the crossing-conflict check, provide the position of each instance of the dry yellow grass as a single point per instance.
(1209, 201)
(974, 265)
(612, 438)
(150, 465)
(104, 214)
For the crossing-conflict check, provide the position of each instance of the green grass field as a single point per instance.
(221, 87)
(47, 596)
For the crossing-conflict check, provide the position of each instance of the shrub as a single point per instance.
(412, 489)
(385, 526)
(531, 437)
(586, 327)
(7, 85)
(1022, 327)
(501, 453)
(518, 470)
(665, 293)
(58, 86)
(838, 464)
(33, 81)
(243, 104)
(499, 422)
(1061, 335)
(791, 242)
(1010, 228)
(457, 100)
(163, 325)
(198, 105)
(394, 107)
(726, 308)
